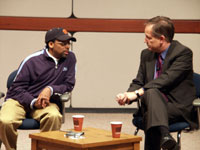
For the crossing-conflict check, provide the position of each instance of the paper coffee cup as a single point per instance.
(116, 127)
(78, 122)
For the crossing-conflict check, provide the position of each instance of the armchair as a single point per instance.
(178, 126)
(1, 96)
(30, 123)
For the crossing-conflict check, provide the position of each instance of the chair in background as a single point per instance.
(178, 126)
(30, 123)
(1, 96)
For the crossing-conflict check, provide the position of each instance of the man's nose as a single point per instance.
(145, 40)
(67, 45)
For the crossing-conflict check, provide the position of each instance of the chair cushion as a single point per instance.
(137, 121)
(178, 126)
(11, 78)
(175, 127)
(29, 123)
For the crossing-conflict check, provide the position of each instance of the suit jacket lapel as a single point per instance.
(165, 65)
(151, 67)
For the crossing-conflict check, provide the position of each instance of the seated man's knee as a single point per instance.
(151, 94)
(6, 121)
(52, 116)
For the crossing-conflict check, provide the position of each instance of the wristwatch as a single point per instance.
(137, 93)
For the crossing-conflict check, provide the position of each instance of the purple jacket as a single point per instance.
(38, 71)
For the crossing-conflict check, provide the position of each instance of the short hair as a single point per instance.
(47, 43)
(162, 26)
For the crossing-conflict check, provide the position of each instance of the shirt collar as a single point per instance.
(55, 59)
(164, 53)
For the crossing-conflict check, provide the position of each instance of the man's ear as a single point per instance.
(162, 37)
(51, 44)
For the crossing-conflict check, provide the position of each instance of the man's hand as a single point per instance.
(121, 98)
(125, 98)
(128, 97)
(43, 98)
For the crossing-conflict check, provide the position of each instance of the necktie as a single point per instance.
(159, 70)
(158, 65)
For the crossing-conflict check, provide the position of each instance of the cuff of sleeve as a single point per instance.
(51, 90)
(32, 103)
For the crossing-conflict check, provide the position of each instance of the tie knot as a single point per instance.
(160, 59)
(160, 56)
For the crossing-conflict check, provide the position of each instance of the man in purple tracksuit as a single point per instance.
(40, 77)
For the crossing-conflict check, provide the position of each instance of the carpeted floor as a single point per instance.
(190, 141)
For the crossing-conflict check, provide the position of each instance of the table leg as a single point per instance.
(136, 145)
(34, 144)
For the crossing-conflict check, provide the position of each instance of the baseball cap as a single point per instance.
(58, 34)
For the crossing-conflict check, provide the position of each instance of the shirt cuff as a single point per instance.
(51, 90)
(32, 103)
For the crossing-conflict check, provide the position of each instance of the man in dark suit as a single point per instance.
(164, 83)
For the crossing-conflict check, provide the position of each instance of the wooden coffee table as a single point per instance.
(94, 139)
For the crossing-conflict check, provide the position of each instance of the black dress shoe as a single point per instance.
(168, 143)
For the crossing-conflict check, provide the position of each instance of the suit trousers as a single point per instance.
(12, 113)
(157, 112)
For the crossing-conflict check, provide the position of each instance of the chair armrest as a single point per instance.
(196, 102)
(65, 97)
(1, 95)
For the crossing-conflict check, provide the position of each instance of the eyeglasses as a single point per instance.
(63, 43)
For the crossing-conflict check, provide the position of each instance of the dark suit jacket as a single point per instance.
(176, 80)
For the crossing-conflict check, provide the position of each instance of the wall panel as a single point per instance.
(107, 62)
(14, 47)
(137, 9)
(36, 8)
(191, 41)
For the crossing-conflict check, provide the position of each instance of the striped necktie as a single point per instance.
(159, 70)
(158, 65)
